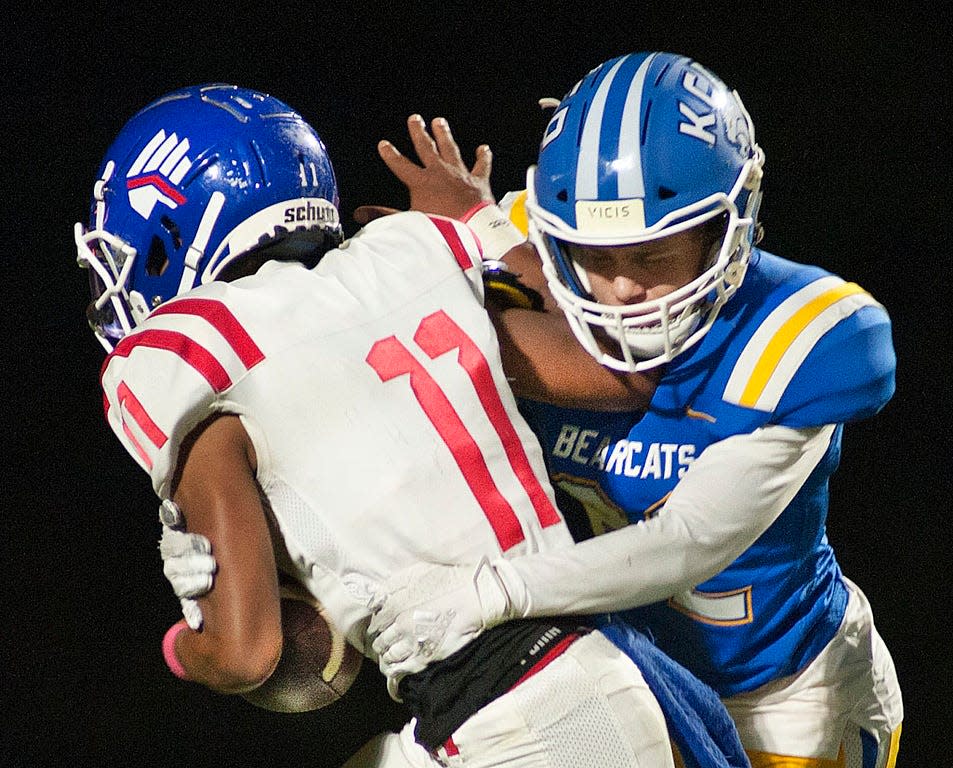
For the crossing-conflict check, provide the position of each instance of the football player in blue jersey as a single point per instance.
(643, 208)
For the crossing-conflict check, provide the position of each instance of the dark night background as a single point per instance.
(851, 107)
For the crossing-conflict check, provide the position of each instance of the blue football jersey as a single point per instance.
(798, 347)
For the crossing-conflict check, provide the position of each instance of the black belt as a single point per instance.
(448, 692)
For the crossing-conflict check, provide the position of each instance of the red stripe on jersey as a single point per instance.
(178, 343)
(439, 334)
(129, 403)
(390, 359)
(450, 747)
(449, 231)
(222, 320)
(553, 653)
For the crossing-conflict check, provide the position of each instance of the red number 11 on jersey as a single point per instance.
(436, 335)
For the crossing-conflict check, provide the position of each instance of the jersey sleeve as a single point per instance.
(824, 355)
(168, 376)
(859, 357)
(699, 534)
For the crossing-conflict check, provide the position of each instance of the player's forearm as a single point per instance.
(240, 641)
(543, 361)
(727, 499)
(222, 664)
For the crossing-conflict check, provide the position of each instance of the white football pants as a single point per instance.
(843, 709)
(590, 706)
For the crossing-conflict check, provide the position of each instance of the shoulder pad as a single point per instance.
(165, 378)
(823, 355)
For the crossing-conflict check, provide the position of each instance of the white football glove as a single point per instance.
(428, 612)
(187, 562)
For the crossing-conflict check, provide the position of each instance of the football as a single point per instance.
(317, 664)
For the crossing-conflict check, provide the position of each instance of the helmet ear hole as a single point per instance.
(665, 193)
(562, 195)
(173, 229)
(157, 260)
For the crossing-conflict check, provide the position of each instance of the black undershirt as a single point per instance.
(448, 692)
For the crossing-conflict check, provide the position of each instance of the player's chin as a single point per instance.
(317, 664)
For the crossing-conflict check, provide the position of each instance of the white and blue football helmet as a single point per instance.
(197, 179)
(645, 146)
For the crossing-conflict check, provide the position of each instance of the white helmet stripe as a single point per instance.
(174, 157)
(587, 167)
(136, 168)
(631, 180)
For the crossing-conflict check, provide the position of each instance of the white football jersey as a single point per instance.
(372, 389)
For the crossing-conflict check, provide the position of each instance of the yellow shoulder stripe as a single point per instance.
(774, 353)
(514, 205)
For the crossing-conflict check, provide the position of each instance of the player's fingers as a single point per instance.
(483, 163)
(189, 564)
(385, 635)
(192, 577)
(395, 653)
(423, 143)
(400, 670)
(174, 543)
(403, 168)
(446, 144)
(378, 623)
(192, 613)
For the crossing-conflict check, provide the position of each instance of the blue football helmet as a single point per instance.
(197, 179)
(645, 146)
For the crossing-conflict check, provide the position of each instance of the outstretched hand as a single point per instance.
(441, 182)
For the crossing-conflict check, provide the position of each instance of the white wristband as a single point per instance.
(496, 232)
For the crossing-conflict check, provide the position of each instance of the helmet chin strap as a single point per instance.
(98, 193)
(197, 249)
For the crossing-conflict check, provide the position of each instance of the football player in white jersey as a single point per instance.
(644, 210)
(341, 421)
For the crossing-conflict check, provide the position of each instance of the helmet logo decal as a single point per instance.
(738, 127)
(555, 127)
(698, 125)
(158, 169)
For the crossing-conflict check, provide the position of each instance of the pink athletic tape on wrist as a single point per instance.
(478, 207)
(168, 649)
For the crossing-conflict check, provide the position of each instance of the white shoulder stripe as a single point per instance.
(775, 352)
